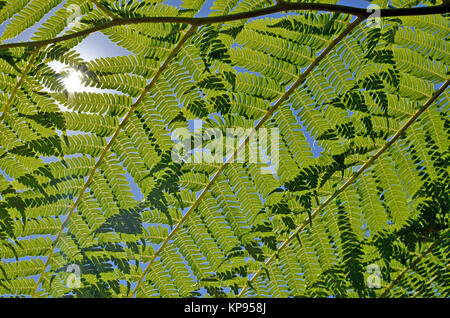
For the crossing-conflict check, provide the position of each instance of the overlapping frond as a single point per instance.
(203, 163)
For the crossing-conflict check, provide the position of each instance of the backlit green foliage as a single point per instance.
(75, 165)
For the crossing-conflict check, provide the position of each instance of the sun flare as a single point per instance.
(73, 81)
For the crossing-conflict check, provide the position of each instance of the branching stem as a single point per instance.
(279, 7)
(411, 266)
(172, 54)
(352, 179)
(261, 122)
(19, 83)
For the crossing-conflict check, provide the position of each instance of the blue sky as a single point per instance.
(97, 45)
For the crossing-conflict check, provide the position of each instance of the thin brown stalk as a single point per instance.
(172, 54)
(350, 181)
(280, 7)
(411, 266)
(19, 83)
(261, 122)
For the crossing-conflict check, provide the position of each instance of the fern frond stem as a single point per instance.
(280, 7)
(19, 83)
(355, 176)
(102, 156)
(242, 145)
(432, 279)
(411, 266)
(104, 9)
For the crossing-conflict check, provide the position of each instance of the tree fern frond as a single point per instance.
(28, 16)
(269, 149)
